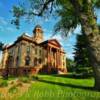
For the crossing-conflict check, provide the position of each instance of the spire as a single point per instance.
(38, 34)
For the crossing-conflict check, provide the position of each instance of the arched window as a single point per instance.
(27, 60)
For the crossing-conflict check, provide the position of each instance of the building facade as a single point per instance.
(33, 55)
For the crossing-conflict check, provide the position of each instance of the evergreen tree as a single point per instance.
(81, 57)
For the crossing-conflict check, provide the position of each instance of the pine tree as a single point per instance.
(81, 57)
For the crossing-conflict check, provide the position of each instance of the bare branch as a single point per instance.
(45, 6)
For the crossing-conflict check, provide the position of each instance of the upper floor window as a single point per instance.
(27, 60)
(36, 51)
(28, 49)
(17, 61)
(19, 51)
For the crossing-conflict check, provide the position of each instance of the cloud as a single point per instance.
(5, 25)
(58, 37)
(70, 56)
(9, 29)
(3, 21)
(6, 29)
(78, 29)
(1, 28)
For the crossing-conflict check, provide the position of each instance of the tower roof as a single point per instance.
(37, 27)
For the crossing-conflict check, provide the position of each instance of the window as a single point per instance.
(35, 61)
(17, 61)
(40, 61)
(10, 61)
(28, 49)
(19, 56)
(40, 52)
(27, 60)
(36, 51)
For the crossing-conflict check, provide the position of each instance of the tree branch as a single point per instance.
(45, 6)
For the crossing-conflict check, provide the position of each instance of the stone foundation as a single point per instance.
(20, 71)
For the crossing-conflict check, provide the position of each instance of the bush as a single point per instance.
(19, 84)
(35, 77)
(12, 82)
(3, 83)
(24, 79)
(13, 89)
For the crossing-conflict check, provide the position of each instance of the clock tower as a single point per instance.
(38, 34)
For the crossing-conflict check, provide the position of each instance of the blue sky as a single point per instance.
(9, 33)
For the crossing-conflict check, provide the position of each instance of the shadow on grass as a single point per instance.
(74, 76)
(66, 85)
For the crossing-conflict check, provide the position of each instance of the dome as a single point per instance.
(37, 27)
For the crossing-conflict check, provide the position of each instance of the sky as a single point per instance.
(9, 33)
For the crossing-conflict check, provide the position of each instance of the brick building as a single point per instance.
(33, 55)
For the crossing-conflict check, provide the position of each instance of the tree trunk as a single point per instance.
(91, 30)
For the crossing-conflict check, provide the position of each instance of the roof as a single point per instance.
(29, 39)
(38, 26)
(22, 37)
(51, 41)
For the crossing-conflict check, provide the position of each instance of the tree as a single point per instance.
(72, 13)
(1, 46)
(81, 57)
(70, 64)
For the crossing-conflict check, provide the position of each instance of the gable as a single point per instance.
(54, 42)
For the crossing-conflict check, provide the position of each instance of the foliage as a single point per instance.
(24, 79)
(3, 83)
(81, 57)
(70, 65)
(1, 46)
(96, 3)
(13, 89)
(64, 9)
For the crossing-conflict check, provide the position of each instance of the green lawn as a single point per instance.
(55, 87)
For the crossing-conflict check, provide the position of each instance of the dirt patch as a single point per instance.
(20, 89)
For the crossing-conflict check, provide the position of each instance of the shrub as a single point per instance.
(24, 79)
(3, 83)
(13, 89)
(19, 84)
(12, 82)
(35, 77)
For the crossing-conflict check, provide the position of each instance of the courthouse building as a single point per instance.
(31, 54)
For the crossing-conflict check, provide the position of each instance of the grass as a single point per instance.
(3, 83)
(61, 87)
(13, 89)
(51, 87)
